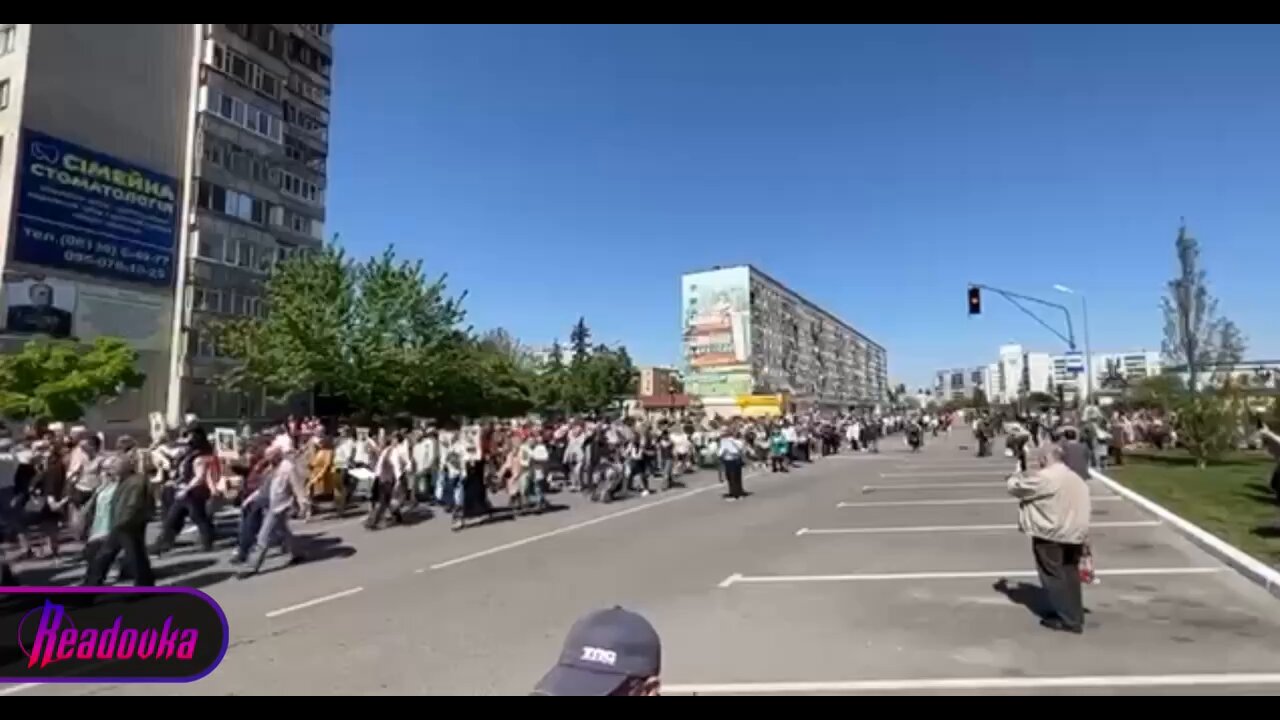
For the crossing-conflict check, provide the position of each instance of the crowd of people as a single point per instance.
(60, 483)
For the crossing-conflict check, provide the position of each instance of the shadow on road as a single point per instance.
(1032, 597)
(204, 580)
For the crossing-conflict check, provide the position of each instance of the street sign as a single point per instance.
(1075, 362)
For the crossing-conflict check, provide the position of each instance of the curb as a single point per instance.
(1255, 570)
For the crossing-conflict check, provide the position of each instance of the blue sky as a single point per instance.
(563, 171)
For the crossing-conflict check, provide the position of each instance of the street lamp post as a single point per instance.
(1088, 352)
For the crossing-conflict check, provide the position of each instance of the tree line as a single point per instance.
(379, 338)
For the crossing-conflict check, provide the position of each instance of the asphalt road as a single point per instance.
(855, 574)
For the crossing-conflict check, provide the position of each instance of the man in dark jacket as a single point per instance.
(128, 504)
(1075, 454)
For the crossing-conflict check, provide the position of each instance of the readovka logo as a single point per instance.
(109, 634)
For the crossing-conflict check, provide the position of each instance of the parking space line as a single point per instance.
(958, 473)
(316, 601)
(963, 501)
(957, 528)
(584, 524)
(933, 486)
(739, 578)
(976, 683)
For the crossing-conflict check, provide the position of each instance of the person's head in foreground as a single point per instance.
(612, 652)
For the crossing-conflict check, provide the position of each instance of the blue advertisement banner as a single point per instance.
(85, 211)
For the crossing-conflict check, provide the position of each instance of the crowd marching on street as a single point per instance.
(60, 483)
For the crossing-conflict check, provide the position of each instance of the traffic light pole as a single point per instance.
(1069, 338)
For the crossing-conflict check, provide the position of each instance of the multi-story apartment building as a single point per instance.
(150, 177)
(1104, 369)
(261, 146)
(1017, 374)
(746, 333)
(960, 383)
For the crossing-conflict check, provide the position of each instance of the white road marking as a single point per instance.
(997, 472)
(956, 528)
(730, 580)
(576, 526)
(977, 683)
(1004, 463)
(933, 486)
(964, 501)
(739, 578)
(15, 689)
(316, 601)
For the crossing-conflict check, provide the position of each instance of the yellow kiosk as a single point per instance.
(762, 405)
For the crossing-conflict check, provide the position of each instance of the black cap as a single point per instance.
(603, 650)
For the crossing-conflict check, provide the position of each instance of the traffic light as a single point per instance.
(975, 301)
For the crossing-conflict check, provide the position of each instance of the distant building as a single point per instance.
(1254, 375)
(745, 334)
(960, 383)
(1106, 371)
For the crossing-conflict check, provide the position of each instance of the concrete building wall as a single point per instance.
(746, 333)
(1038, 372)
(122, 91)
(13, 74)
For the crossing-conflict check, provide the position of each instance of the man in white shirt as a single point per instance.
(426, 455)
(793, 442)
(732, 451)
(393, 468)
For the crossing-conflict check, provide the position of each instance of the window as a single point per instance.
(202, 343)
(210, 245)
(213, 152)
(4, 94)
(247, 116)
(8, 39)
(229, 251)
(244, 70)
(248, 255)
(250, 306)
(307, 56)
(309, 90)
(320, 31)
(206, 300)
(299, 188)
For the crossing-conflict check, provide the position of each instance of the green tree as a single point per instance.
(56, 380)
(377, 333)
(1209, 422)
(580, 341)
(1195, 335)
(501, 341)
(549, 390)
(980, 400)
(303, 342)
(1160, 392)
